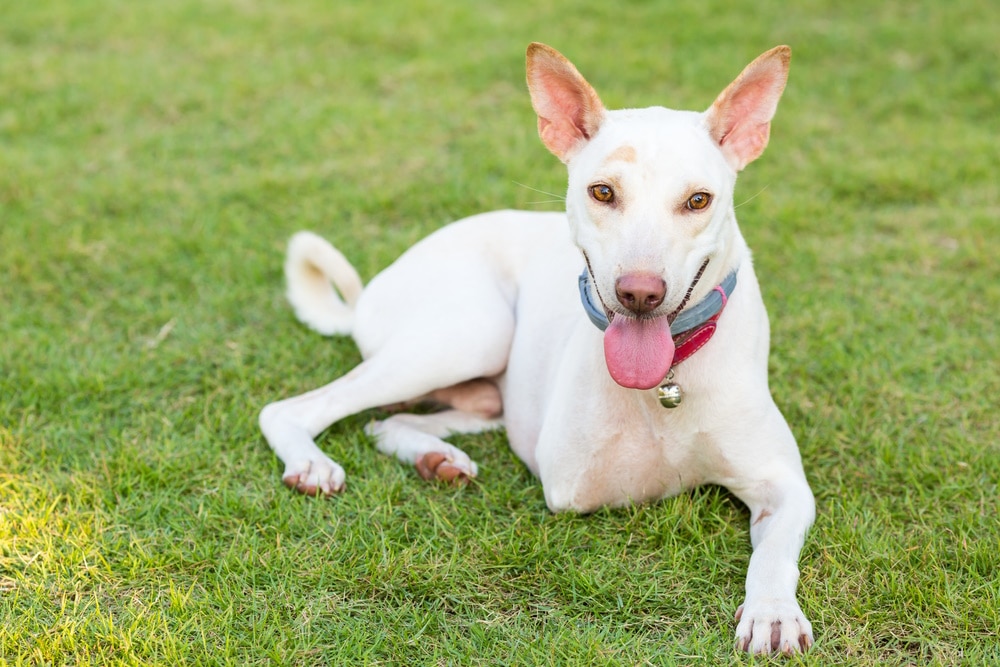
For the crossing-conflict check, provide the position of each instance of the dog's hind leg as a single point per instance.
(291, 425)
(413, 363)
(417, 440)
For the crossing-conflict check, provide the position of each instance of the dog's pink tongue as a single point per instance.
(638, 352)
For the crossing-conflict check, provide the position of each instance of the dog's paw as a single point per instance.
(315, 478)
(445, 467)
(767, 626)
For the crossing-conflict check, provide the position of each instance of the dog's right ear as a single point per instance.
(569, 111)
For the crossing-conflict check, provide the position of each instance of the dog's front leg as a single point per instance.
(781, 510)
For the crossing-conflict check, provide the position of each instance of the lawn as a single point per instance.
(154, 159)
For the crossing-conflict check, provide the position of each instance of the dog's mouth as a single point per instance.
(638, 350)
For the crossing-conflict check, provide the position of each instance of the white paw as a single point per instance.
(319, 477)
(767, 626)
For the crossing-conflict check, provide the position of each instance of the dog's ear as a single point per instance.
(740, 118)
(569, 111)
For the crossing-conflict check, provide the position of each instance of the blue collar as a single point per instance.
(688, 319)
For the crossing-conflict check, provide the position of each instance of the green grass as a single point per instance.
(154, 158)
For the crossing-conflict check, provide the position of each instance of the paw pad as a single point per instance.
(437, 466)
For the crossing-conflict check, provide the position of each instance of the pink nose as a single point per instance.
(640, 292)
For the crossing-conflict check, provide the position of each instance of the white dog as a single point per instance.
(644, 377)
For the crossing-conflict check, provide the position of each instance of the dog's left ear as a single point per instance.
(569, 111)
(740, 118)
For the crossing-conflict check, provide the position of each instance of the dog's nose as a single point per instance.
(640, 292)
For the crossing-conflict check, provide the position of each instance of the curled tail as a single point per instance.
(313, 268)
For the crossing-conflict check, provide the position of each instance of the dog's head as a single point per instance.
(650, 195)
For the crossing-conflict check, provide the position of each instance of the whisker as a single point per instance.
(556, 197)
(751, 198)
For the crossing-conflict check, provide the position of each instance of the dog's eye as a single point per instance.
(602, 193)
(698, 201)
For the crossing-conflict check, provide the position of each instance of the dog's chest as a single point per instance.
(635, 454)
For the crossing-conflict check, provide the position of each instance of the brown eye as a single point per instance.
(698, 201)
(602, 193)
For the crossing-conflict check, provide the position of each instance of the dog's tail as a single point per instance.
(313, 268)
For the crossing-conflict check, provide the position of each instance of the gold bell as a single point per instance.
(670, 394)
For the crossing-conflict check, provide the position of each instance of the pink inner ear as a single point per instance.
(559, 138)
(747, 142)
(575, 114)
(749, 104)
(560, 113)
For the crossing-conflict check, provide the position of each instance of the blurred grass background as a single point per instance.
(154, 158)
